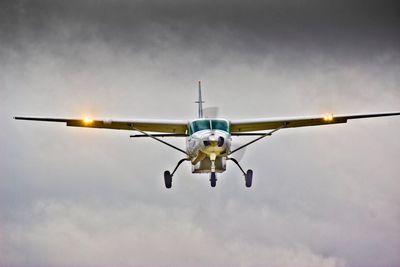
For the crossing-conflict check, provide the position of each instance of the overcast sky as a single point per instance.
(321, 196)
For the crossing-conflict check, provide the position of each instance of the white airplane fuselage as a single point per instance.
(212, 145)
(208, 142)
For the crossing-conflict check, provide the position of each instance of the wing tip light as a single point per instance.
(328, 117)
(87, 120)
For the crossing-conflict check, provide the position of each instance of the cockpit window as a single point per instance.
(200, 125)
(220, 125)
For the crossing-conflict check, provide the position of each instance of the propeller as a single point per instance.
(212, 112)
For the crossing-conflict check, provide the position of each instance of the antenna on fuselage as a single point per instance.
(200, 102)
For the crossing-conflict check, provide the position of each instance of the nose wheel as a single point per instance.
(213, 179)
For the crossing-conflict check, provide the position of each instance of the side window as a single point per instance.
(190, 129)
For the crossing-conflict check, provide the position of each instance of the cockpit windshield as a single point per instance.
(199, 125)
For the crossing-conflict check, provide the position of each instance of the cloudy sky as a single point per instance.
(322, 196)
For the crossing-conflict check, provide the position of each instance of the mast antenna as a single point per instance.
(200, 102)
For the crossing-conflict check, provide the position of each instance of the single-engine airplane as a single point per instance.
(208, 140)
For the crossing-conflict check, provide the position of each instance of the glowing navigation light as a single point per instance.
(328, 117)
(87, 120)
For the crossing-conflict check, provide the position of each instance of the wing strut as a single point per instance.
(258, 138)
(158, 139)
(158, 135)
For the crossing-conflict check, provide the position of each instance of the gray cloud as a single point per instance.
(323, 196)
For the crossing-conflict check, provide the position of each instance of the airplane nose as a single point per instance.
(213, 141)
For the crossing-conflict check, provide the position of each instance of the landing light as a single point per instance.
(328, 117)
(87, 120)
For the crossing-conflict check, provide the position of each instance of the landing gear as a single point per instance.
(168, 175)
(248, 176)
(167, 179)
(213, 179)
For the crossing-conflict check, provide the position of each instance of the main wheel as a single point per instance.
(213, 179)
(249, 178)
(167, 179)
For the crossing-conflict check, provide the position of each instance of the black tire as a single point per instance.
(249, 178)
(213, 179)
(168, 179)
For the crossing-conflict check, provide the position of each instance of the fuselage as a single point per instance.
(209, 140)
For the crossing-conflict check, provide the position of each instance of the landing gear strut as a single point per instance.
(248, 176)
(168, 175)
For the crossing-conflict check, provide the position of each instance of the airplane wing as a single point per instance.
(161, 126)
(241, 126)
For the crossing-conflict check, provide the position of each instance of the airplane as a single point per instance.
(208, 140)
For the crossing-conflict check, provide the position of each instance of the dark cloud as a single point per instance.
(254, 26)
